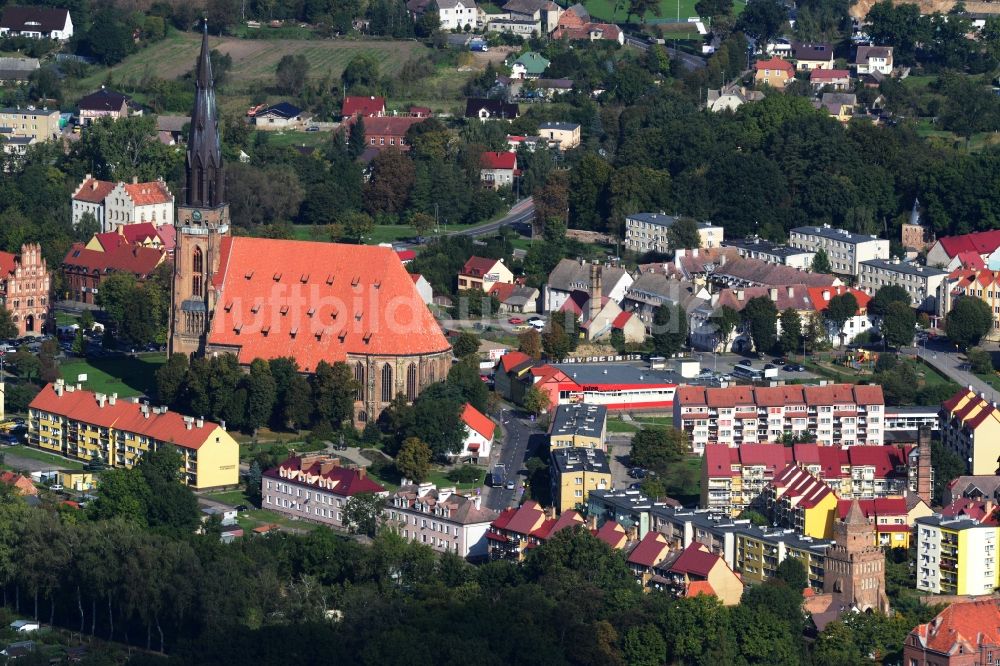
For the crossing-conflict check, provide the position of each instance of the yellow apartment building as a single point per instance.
(956, 556)
(575, 472)
(86, 425)
(970, 427)
(580, 426)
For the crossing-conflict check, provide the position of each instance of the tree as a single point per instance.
(79, 344)
(670, 329)
(261, 395)
(879, 305)
(389, 185)
(466, 344)
(555, 340)
(968, 322)
(898, 324)
(292, 72)
(356, 141)
(761, 317)
(821, 262)
(357, 226)
(422, 223)
(839, 310)
(363, 513)
(713, 8)
(530, 343)
(644, 646)
(762, 19)
(414, 459)
(333, 389)
(792, 573)
(465, 379)
(8, 329)
(980, 361)
(361, 73)
(726, 319)
(791, 330)
(536, 401)
(109, 39)
(170, 379)
(640, 8)
(657, 448)
(683, 234)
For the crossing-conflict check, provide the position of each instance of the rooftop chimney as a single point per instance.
(826, 294)
(112, 398)
(200, 422)
(740, 294)
(101, 398)
(58, 388)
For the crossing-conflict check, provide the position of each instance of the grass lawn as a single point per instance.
(614, 425)
(683, 482)
(656, 420)
(65, 319)
(437, 477)
(976, 143)
(617, 10)
(257, 517)
(255, 60)
(125, 375)
(42, 456)
(296, 138)
(915, 82)
(234, 497)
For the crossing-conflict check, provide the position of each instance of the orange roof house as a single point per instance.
(958, 636)
(479, 431)
(774, 72)
(22, 485)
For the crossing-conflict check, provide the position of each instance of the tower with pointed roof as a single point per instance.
(855, 567)
(202, 218)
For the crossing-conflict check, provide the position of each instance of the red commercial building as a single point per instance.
(24, 288)
(85, 269)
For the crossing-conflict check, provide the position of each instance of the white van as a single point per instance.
(538, 324)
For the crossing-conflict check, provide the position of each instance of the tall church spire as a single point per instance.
(206, 185)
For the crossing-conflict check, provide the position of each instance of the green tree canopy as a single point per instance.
(968, 322)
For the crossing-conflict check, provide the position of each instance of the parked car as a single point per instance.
(515, 320)
(510, 485)
(745, 361)
(534, 318)
(791, 368)
(241, 508)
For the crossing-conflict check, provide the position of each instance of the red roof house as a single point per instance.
(366, 107)
(479, 431)
(958, 636)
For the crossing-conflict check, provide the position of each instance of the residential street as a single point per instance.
(519, 439)
(942, 356)
(520, 213)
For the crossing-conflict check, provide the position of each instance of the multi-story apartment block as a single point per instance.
(314, 487)
(956, 555)
(440, 518)
(88, 426)
(920, 282)
(970, 427)
(980, 283)
(736, 478)
(37, 124)
(579, 425)
(797, 499)
(524, 527)
(629, 508)
(753, 552)
(772, 253)
(650, 232)
(845, 250)
(24, 288)
(575, 472)
(835, 414)
(888, 515)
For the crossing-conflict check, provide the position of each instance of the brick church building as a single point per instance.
(24, 288)
(265, 298)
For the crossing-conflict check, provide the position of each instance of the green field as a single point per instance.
(617, 11)
(125, 375)
(255, 60)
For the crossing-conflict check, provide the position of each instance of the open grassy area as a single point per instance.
(615, 425)
(234, 497)
(617, 10)
(257, 517)
(655, 420)
(255, 60)
(42, 456)
(125, 375)
(294, 138)
(976, 143)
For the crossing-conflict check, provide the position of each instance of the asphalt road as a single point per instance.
(521, 438)
(688, 60)
(523, 212)
(940, 354)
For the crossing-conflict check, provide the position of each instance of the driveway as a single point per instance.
(620, 446)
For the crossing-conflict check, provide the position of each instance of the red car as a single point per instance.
(515, 320)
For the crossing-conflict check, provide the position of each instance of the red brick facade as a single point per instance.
(24, 288)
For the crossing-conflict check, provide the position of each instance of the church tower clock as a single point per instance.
(202, 219)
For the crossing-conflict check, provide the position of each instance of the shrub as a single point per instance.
(464, 474)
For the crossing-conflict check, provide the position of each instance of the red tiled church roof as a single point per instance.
(318, 302)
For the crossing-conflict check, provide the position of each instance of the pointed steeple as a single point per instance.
(855, 516)
(205, 173)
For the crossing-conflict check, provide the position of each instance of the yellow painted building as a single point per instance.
(579, 425)
(759, 552)
(575, 472)
(797, 499)
(956, 556)
(970, 427)
(77, 480)
(86, 425)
